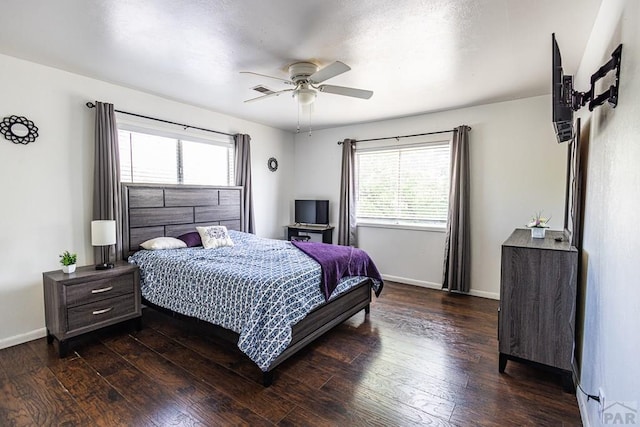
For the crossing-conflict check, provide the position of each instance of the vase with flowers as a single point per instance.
(538, 225)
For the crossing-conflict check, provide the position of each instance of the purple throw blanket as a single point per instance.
(338, 262)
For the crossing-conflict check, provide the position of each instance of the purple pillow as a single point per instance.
(191, 239)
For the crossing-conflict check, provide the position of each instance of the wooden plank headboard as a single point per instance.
(155, 210)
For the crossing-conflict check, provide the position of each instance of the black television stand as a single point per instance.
(293, 230)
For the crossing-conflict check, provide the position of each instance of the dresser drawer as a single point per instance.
(102, 311)
(97, 290)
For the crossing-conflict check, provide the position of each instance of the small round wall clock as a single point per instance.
(18, 129)
(272, 164)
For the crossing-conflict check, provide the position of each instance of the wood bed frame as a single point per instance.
(171, 210)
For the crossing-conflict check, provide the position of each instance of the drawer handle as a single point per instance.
(104, 310)
(101, 290)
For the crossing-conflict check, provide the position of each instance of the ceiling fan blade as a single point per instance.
(271, 95)
(287, 82)
(329, 71)
(346, 91)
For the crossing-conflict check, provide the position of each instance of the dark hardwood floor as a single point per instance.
(422, 357)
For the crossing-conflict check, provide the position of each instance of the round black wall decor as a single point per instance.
(272, 164)
(18, 129)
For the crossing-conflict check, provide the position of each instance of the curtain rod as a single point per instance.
(92, 105)
(403, 136)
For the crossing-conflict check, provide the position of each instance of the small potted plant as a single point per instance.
(68, 261)
(538, 225)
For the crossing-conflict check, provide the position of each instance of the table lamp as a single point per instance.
(103, 233)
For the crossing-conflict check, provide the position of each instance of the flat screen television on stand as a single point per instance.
(562, 96)
(312, 212)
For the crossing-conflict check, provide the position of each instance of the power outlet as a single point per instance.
(601, 404)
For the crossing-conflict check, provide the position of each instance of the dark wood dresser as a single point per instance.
(538, 302)
(89, 299)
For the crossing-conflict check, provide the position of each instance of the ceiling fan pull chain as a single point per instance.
(298, 129)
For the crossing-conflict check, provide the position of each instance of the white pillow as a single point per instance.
(163, 243)
(215, 236)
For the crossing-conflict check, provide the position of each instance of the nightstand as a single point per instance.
(89, 299)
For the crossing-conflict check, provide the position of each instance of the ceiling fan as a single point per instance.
(306, 79)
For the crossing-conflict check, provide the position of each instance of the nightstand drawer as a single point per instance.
(89, 299)
(100, 311)
(98, 290)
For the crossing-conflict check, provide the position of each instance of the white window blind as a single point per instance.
(403, 184)
(152, 158)
(207, 164)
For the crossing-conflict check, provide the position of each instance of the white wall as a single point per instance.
(517, 168)
(611, 248)
(46, 186)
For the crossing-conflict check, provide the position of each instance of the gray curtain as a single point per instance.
(243, 179)
(347, 218)
(107, 199)
(457, 250)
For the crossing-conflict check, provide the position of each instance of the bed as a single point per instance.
(266, 335)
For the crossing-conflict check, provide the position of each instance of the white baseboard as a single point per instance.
(22, 338)
(582, 399)
(484, 294)
(406, 281)
(431, 285)
(582, 405)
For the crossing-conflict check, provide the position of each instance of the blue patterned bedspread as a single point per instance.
(258, 288)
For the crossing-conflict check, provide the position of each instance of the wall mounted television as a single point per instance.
(562, 96)
(311, 212)
(565, 100)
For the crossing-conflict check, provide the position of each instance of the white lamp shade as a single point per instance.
(306, 96)
(103, 233)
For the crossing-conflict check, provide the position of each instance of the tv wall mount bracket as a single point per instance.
(580, 99)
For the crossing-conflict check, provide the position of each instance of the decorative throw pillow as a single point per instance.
(215, 236)
(192, 239)
(163, 243)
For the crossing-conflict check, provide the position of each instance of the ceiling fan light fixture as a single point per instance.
(306, 96)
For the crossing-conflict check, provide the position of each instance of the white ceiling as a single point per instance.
(416, 55)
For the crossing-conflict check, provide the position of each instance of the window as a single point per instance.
(405, 185)
(152, 158)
